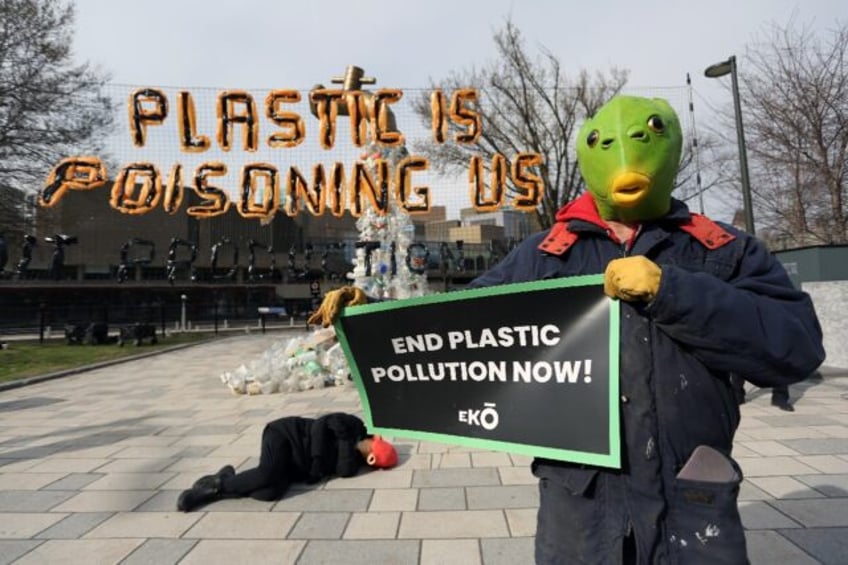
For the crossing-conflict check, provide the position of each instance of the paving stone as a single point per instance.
(452, 461)
(430, 447)
(26, 524)
(137, 465)
(449, 552)
(246, 504)
(74, 481)
(162, 501)
(490, 459)
(359, 552)
(200, 465)
(27, 453)
(27, 481)
(241, 525)
(130, 481)
(453, 524)
(828, 545)
(197, 450)
(780, 420)
(748, 491)
(785, 487)
(80, 551)
(104, 501)
(739, 450)
(392, 478)
(372, 525)
(507, 551)
(521, 496)
(769, 448)
(74, 526)
(828, 512)
(160, 552)
(455, 478)
(32, 500)
(836, 431)
(67, 465)
(255, 552)
(451, 498)
(521, 521)
(829, 485)
(320, 525)
(829, 464)
(772, 466)
(12, 549)
(821, 446)
(414, 461)
(768, 547)
(18, 465)
(324, 500)
(762, 516)
(145, 525)
(399, 499)
(517, 476)
(152, 452)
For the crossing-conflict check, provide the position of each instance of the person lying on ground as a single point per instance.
(296, 449)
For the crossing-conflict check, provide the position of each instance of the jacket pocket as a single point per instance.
(575, 480)
(704, 525)
(570, 526)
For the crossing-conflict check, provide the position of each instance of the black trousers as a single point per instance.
(271, 479)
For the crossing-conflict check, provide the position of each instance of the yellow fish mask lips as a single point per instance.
(629, 189)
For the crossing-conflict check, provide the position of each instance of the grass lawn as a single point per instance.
(23, 359)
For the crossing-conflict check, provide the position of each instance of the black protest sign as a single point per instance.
(529, 368)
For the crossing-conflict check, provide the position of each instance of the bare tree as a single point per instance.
(50, 107)
(527, 105)
(794, 88)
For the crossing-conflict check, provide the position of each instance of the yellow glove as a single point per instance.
(632, 278)
(334, 302)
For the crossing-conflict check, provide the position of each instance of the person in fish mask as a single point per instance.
(700, 301)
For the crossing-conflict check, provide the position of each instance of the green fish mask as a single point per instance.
(628, 154)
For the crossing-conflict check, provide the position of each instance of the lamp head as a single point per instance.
(720, 69)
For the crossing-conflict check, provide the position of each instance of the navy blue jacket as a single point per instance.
(725, 305)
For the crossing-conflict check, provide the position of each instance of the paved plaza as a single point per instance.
(91, 465)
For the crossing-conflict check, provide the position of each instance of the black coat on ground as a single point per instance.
(321, 447)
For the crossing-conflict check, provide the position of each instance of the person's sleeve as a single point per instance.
(507, 270)
(756, 324)
(329, 429)
(349, 460)
(345, 426)
(344, 431)
(319, 435)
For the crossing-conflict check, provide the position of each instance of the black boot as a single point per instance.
(207, 481)
(205, 490)
(198, 496)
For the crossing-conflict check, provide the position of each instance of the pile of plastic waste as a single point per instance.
(301, 363)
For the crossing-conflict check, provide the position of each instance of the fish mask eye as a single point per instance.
(656, 124)
(592, 138)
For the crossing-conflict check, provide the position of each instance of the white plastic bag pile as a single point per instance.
(301, 363)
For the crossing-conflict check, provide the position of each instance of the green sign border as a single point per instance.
(610, 459)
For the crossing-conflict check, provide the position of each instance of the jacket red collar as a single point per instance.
(561, 238)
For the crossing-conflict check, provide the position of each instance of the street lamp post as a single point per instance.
(183, 298)
(720, 70)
